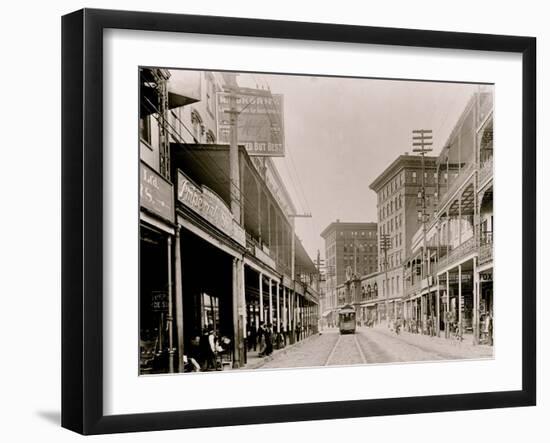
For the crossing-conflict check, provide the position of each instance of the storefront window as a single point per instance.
(145, 129)
(210, 313)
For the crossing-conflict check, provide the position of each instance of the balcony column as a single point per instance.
(239, 318)
(170, 314)
(460, 221)
(178, 298)
(476, 303)
(270, 301)
(447, 299)
(437, 316)
(460, 299)
(292, 315)
(284, 310)
(261, 276)
(424, 310)
(278, 308)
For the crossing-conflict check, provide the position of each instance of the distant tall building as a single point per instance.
(350, 245)
(397, 188)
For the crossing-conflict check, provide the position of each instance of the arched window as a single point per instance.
(210, 137)
(197, 124)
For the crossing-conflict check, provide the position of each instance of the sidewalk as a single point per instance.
(253, 361)
(447, 346)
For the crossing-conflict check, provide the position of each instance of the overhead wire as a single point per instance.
(279, 124)
(205, 167)
(177, 136)
(300, 194)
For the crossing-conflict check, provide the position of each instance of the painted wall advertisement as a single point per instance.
(155, 193)
(260, 121)
(210, 206)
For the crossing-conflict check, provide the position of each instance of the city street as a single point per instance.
(370, 346)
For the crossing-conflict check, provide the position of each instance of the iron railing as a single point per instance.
(485, 171)
(485, 247)
(457, 253)
(458, 182)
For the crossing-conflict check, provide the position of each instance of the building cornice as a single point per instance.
(401, 162)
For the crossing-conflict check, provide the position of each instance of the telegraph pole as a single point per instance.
(234, 173)
(384, 246)
(238, 296)
(422, 141)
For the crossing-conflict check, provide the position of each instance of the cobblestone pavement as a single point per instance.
(347, 351)
(371, 346)
(314, 351)
(416, 347)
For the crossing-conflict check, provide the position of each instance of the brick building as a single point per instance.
(397, 188)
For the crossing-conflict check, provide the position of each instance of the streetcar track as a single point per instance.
(332, 351)
(361, 353)
(338, 343)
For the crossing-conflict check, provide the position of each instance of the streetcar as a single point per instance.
(346, 319)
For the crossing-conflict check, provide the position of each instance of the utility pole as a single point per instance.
(422, 141)
(238, 296)
(384, 246)
(234, 174)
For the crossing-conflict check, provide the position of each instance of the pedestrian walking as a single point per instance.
(490, 328)
(207, 346)
(260, 337)
(268, 334)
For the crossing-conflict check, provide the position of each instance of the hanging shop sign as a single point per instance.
(159, 301)
(155, 193)
(259, 122)
(209, 206)
(486, 276)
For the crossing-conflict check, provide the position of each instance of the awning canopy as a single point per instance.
(183, 88)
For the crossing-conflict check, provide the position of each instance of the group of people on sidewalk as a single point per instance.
(205, 350)
(265, 338)
(453, 328)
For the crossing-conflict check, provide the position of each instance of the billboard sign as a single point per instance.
(260, 121)
(155, 193)
(209, 206)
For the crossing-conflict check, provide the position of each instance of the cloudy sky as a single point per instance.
(341, 133)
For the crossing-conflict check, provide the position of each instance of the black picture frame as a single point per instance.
(82, 232)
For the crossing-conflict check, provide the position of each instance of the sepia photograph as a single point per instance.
(299, 221)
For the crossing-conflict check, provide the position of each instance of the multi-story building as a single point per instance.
(397, 188)
(350, 249)
(449, 273)
(217, 243)
(362, 293)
